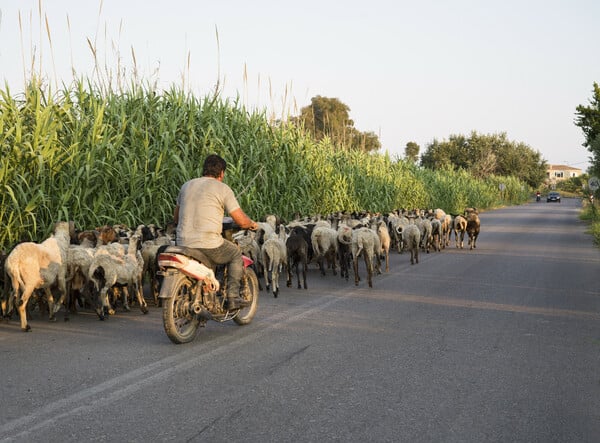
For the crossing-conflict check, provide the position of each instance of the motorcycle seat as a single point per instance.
(193, 253)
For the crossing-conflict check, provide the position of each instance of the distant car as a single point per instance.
(553, 197)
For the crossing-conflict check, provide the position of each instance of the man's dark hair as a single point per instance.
(213, 166)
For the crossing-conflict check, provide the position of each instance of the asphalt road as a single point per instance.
(498, 344)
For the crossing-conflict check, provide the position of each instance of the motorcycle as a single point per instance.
(194, 289)
(538, 197)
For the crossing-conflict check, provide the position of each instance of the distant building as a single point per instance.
(558, 173)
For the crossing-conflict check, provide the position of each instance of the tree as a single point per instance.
(484, 155)
(365, 141)
(588, 119)
(411, 152)
(329, 117)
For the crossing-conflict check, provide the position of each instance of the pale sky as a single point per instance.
(408, 70)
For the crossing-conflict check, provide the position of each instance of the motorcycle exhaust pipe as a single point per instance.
(200, 312)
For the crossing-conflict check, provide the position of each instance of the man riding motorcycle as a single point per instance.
(201, 206)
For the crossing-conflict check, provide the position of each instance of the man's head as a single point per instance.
(214, 166)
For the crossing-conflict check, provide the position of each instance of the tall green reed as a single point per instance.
(99, 157)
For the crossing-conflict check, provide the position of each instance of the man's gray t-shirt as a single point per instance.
(202, 202)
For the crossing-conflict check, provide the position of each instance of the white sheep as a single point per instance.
(385, 241)
(79, 258)
(246, 240)
(274, 258)
(264, 231)
(446, 220)
(325, 245)
(459, 227)
(365, 242)
(108, 270)
(436, 234)
(411, 237)
(424, 225)
(31, 266)
(397, 224)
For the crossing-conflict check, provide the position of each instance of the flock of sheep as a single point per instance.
(107, 266)
(339, 240)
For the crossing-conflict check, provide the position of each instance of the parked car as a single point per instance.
(553, 197)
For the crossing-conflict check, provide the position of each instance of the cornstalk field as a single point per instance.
(100, 157)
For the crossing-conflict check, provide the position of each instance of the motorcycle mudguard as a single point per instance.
(188, 266)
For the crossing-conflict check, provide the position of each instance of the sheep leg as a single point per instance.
(343, 268)
(304, 266)
(275, 282)
(104, 306)
(298, 275)
(23, 317)
(101, 303)
(260, 271)
(369, 266)
(321, 265)
(3, 306)
(22, 308)
(289, 277)
(297, 271)
(294, 268)
(472, 241)
(355, 267)
(267, 280)
(52, 309)
(155, 287)
(7, 304)
(266, 272)
(125, 295)
(140, 297)
(332, 258)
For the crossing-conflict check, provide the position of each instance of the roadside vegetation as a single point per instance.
(576, 187)
(98, 156)
(591, 215)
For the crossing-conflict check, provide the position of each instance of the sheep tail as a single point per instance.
(361, 246)
(316, 243)
(16, 279)
(267, 260)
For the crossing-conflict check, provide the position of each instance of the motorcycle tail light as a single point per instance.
(172, 260)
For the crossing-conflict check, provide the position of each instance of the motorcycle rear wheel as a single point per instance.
(180, 325)
(249, 293)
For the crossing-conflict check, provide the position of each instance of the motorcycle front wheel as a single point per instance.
(180, 325)
(249, 293)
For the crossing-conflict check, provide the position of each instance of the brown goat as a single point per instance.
(473, 226)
